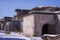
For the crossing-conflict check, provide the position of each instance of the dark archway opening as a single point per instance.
(45, 29)
(16, 28)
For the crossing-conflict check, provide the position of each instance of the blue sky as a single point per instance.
(7, 7)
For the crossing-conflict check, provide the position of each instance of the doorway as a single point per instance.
(16, 28)
(45, 29)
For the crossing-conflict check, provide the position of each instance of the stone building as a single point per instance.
(42, 20)
(10, 25)
(13, 24)
(19, 16)
(3, 21)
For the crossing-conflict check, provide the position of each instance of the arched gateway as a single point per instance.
(45, 29)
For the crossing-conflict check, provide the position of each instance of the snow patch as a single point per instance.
(19, 36)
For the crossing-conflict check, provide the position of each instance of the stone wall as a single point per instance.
(40, 20)
(32, 24)
(57, 23)
(28, 25)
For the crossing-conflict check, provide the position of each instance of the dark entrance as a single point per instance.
(16, 28)
(45, 29)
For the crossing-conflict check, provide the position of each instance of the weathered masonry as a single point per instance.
(39, 21)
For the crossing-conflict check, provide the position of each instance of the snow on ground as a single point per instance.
(50, 35)
(17, 35)
(20, 36)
